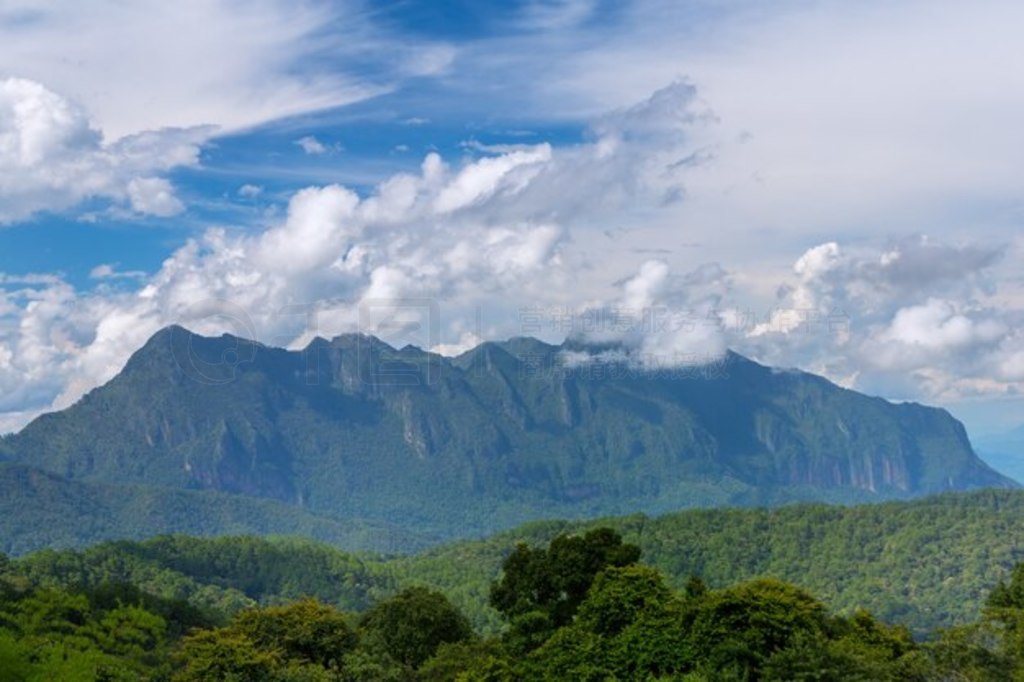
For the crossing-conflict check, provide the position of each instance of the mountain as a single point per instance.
(353, 428)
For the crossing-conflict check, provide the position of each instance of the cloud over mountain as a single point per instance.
(52, 158)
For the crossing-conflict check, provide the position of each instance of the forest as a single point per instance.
(581, 606)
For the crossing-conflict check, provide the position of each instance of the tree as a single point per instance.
(299, 641)
(411, 625)
(461, 658)
(1008, 595)
(619, 596)
(305, 631)
(225, 654)
(742, 626)
(695, 587)
(555, 580)
(1005, 607)
(972, 652)
(14, 658)
(622, 630)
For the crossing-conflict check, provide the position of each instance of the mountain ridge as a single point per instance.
(506, 432)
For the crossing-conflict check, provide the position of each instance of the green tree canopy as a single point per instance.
(555, 580)
(411, 625)
(305, 631)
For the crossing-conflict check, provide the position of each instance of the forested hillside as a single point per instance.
(39, 510)
(926, 563)
(579, 608)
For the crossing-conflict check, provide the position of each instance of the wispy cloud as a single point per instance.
(311, 145)
(108, 271)
(314, 147)
(150, 65)
(249, 191)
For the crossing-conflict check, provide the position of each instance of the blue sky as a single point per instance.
(759, 168)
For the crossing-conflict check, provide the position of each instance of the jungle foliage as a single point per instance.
(580, 607)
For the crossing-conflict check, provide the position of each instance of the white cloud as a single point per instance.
(467, 341)
(937, 325)
(519, 227)
(492, 231)
(311, 145)
(833, 119)
(32, 278)
(643, 289)
(51, 158)
(911, 319)
(98, 101)
(508, 172)
(1011, 366)
(656, 321)
(153, 196)
(150, 65)
(248, 191)
(108, 271)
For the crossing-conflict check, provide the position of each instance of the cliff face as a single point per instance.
(354, 428)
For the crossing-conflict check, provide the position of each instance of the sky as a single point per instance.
(831, 186)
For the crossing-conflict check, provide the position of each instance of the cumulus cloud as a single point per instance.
(490, 236)
(936, 325)
(870, 281)
(490, 233)
(153, 196)
(51, 157)
(334, 254)
(911, 319)
(656, 321)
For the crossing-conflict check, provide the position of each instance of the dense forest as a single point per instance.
(40, 509)
(580, 607)
(927, 564)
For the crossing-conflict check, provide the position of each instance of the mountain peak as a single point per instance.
(361, 340)
(523, 346)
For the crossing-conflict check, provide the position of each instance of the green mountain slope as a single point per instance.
(225, 574)
(352, 428)
(40, 510)
(926, 563)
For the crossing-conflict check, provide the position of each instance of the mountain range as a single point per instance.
(351, 429)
